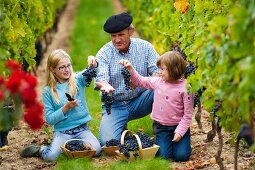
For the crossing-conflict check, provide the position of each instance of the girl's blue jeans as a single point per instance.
(51, 152)
(177, 151)
(112, 125)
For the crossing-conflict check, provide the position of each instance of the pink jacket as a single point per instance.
(172, 105)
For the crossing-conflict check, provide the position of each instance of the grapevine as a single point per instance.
(224, 54)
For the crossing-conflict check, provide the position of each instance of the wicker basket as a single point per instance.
(146, 153)
(77, 154)
(110, 150)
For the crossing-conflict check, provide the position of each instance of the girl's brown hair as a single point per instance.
(175, 64)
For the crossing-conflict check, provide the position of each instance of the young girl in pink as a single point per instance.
(172, 106)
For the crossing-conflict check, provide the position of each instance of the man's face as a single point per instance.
(121, 40)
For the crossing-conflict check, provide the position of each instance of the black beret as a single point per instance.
(117, 23)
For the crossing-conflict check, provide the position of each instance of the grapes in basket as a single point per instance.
(112, 142)
(130, 144)
(77, 145)
(145, 140)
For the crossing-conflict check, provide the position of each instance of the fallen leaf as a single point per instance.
(212, 160)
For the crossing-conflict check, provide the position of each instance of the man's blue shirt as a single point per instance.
(142, 56)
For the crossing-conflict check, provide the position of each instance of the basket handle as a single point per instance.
(123, 136)
(139, 142)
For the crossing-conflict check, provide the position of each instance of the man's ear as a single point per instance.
(131, 31)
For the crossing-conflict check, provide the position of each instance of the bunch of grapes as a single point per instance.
(130, 144)
(112, 142)
(126, 75)
(77, 145)
(216, 107)
(124, 150)
(89, 73)
(145, 140)
(190, 69)
(107, 99)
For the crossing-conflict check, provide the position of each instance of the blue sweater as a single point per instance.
(75, 116)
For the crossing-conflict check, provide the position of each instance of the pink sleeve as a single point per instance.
(184, 124)
(145, 82)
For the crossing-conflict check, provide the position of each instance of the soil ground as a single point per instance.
(202, 154)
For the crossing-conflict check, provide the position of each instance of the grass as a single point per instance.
(141, 165)
(65, 163)
(87, 38)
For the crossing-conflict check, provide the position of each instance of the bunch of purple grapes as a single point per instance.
(190, 69)
(130, 144)
(107, 99)
(77, 145)
(126, 75)
(112, 142)
(216, 107)
(89, 73)
(145, 140)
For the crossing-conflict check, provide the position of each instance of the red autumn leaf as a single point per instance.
(181, 5)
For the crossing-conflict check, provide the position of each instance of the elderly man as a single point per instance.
(128, 104)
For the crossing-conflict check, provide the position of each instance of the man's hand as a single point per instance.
(105, 86)
(92, 61)
(177, 137)
(126, 64)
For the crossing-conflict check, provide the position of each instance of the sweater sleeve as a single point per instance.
(145, 82)
(52, 117)
(184, 124)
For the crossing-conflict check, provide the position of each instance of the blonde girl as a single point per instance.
(68, 118)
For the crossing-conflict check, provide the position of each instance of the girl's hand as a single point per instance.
(177, 137)
(69, 105)
(126, 64)
(92, 61)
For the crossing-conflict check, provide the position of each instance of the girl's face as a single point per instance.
(164, 72)
(63, 70)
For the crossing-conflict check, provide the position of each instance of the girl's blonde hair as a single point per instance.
(51, 80)
(175, 64)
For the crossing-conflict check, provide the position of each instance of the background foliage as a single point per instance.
(21, 24)
(218, 36)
